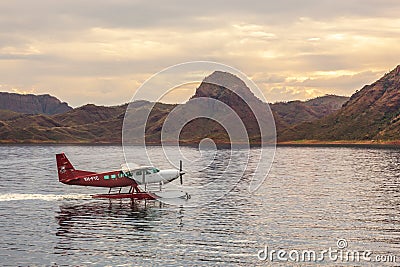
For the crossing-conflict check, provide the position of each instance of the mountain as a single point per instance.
(32, 104)
(202, 116)
(294, 120)
(295, 112)
(240, 99)
(233, 92)
(371, 113)
(85, 124)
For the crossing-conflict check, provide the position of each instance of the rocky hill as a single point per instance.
(239, 98)
(371, 113)
(32, 104)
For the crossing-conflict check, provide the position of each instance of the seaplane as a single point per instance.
(128, 176)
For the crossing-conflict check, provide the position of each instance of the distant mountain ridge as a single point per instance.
(291, 113)
(32, 104)
(86, 124)
(372, 113)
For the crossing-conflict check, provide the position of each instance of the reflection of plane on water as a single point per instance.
(128, 176)
(73, 219)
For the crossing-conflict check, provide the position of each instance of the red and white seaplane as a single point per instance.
(127, 176)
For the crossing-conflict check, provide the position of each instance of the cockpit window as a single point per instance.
(147, 171)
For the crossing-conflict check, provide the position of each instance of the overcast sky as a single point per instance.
(101, 51)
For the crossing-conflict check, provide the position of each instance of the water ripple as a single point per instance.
(312, 197)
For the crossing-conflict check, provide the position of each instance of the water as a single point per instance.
(312, 198)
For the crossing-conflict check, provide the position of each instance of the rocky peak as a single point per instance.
(232, 91)
(223, 86)
(32, 104)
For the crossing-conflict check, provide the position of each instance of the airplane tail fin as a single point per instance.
(67, 172)
(64, 168)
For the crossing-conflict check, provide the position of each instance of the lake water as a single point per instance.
(313, 197)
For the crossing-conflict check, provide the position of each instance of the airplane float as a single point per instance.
(127, 176)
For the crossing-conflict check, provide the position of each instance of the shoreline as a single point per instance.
(299, 143)
(342, 143)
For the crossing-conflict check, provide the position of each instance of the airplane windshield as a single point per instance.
(126, 174)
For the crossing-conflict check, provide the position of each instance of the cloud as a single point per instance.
(317, 84)
(288, 93)
(101, 51)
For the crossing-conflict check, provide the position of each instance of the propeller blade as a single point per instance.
(180, 172)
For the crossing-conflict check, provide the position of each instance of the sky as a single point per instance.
(102, 51)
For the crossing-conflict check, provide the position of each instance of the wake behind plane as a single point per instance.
(127, 176)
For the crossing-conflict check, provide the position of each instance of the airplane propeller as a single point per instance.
(181, 173)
